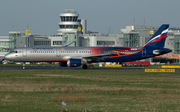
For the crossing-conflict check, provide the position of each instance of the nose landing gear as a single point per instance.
(24, 66)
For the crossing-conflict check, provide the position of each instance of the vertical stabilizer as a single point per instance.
(158, 39)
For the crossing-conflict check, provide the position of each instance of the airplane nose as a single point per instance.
(7, 57)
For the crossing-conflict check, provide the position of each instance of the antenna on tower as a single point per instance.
(27, 26)
(134, 21)
(16, 27)
(109, 30)
(144, 21)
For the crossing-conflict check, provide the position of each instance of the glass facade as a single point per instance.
(85, 42)
(176, 44)
(12, 39)
(57, 42)
(42, 42)
(68, 26)
(177, 47)
(131, 39)
(4, 46)
(69, 18)
(70, 39)
(4, 43)
(105, 43)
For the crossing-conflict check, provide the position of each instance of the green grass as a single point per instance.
(98, 90)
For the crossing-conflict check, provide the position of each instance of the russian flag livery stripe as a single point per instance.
(159, 37)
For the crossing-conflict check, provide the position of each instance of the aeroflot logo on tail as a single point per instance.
(158, 37)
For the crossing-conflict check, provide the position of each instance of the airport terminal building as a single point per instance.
(73, 32)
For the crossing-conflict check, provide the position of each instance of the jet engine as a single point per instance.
(63, 64)
(74, 62)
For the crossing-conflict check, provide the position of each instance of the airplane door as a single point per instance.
(57, 52)
(144, 52)
(24, 52)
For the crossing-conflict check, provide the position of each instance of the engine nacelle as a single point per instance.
(73, 62)
(63, 64)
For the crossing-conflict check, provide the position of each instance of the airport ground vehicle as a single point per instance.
(137, 63)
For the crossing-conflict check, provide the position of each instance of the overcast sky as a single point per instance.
(42, 16)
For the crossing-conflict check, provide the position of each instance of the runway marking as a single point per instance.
(159, 70)
(170, 66)
(113, 65)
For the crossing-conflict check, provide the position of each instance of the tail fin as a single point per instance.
(158, 39)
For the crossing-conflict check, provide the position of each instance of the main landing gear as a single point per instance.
(86, 67)
(24, 66)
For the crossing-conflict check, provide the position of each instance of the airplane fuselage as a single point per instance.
(58, 54)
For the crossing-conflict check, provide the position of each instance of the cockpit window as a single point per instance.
(13, 51)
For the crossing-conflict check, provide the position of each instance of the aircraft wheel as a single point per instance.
(91, 67)
(24, 66)
(84, 66)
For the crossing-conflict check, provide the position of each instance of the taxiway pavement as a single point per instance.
(11, 67)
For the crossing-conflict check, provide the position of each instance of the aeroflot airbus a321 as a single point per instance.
(77, 56)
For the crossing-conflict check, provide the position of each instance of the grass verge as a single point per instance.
(98, 90)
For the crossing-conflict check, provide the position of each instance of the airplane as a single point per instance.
(85, 56)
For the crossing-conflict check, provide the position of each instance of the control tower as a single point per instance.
(69, 28)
